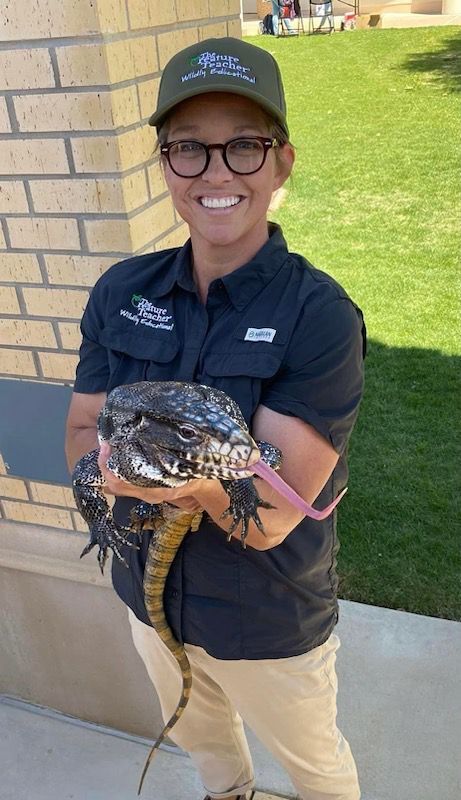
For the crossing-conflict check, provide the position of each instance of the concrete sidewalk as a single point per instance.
(399, 706)
(47, 756)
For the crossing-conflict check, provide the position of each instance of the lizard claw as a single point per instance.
(107, 536)
(244, 504)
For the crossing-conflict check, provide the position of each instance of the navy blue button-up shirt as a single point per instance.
(275, 332)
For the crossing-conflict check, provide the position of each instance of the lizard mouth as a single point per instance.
(225, 462)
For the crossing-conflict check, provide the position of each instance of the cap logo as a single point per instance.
(207, 64)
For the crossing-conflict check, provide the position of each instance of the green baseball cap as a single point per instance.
(222, 65)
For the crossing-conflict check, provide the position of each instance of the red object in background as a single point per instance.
(285, 8)
(349, 21)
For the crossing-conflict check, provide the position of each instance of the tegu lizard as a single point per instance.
(164, 434)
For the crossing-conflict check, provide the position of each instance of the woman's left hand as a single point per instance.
(182, 496)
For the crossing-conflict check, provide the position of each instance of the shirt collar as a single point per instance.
(244, 283)
(179, 272)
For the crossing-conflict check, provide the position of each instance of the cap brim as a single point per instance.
(158, 117)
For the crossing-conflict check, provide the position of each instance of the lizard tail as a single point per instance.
(162, 550)
(186, 687)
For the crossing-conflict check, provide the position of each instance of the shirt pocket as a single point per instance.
(136, 357)
(242, 376)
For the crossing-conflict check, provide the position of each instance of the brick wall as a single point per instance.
(80, 187)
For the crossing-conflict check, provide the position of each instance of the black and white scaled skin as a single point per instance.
(165, 434)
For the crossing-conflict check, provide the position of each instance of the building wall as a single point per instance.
(80, 188)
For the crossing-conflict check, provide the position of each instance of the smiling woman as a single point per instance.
(235, 310)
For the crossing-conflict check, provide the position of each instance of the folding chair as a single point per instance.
(321, 19)
(285, 10)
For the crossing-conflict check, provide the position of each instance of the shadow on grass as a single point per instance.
(444, 63)
(399, 525)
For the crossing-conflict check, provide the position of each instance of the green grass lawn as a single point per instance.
(375, 201)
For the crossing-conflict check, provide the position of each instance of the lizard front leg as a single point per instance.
(244, 497)
(87, 484)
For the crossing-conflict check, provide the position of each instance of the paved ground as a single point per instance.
(49, 757)
(399, 706)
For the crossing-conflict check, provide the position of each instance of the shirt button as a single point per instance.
(174, 593)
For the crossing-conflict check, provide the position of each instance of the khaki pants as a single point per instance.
(289, 703)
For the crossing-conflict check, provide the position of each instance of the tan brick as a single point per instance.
(157, 182)
(96, 154)
(9, 300)
(78, 196)
(216, 31)
(95, 64)
(175, 238)
(114, 153)
(79, 522)
(234, 28)
(44, 19)
(52, 494)
(5, 126)
(36, 156)
(37, 515)
(134, 188)
(173, 41)
(125, 107)
(145, 226)
(19, 268)
(55, 302)
(83, 65)
(112, 15)
(17, 362)
(13, 487)
(76, 270)
(233, 7)
(27, 333)
(26, 69)
(36, 19)
(64, 112)
(70, 335)
(111, 235)
(143, 55)
(136, 146)
(218, 8)
(187, 10)
(61, 366)
(148, 91)
(2, 466)
(2, 241)
(13, 198)
(139, 14)
(146, 14)
(44, 234)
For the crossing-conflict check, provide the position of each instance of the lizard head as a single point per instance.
(172, 432)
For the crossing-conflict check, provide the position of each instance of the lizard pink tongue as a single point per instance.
(277, 483)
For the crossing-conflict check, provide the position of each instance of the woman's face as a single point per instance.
(242, 224)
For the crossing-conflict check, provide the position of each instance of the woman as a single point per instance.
(233, 309)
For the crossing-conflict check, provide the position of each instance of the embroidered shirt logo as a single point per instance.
(148, 314)
(210, 63)
(260, 335)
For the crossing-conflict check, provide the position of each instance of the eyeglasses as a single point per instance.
(244, 156)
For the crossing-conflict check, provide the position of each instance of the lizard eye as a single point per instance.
(186, 432)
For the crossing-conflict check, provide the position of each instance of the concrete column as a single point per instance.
(80, 184)
(80, 188)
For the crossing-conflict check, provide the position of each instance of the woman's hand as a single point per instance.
(182, 497)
